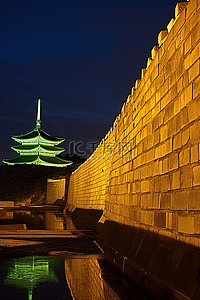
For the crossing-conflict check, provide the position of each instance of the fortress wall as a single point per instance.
(146, 171)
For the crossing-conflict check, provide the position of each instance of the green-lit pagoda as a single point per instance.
(38, 147)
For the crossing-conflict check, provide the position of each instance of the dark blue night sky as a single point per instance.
(80, 57)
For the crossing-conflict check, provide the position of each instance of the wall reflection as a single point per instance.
(49, 220)
(53, 221)
(86, 280)
(8, 216)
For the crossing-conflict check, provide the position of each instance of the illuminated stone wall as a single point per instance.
(55, 189)
(146, 171)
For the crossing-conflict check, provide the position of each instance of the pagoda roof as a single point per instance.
(34, 134)
(46, 148)
(38, 160)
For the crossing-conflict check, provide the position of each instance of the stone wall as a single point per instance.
(55, 189)
(146, 171)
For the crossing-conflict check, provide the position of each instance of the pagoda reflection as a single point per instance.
(27, 273)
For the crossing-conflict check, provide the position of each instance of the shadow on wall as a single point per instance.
(167, 267)
(86, 218)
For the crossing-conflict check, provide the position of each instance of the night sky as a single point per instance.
(80, 57)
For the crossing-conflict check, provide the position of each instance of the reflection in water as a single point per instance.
(53, 278)
(92, 278)
(36, 275)
(29, 272)
(8, 215)
(51, 220)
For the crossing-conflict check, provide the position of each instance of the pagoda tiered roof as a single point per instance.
(38, 147)
(37, 135)
(38, 160)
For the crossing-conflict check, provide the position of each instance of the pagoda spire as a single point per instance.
(38, 120)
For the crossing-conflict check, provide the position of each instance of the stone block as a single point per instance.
(194, 71)
(165, 182)
(184, 157)
(146, 201)
(147, 217)
(157, 121)
(156, 199)
(158, 152)
(156, 137)
(159, 219)
(186, 97)
(177, 106)
(196, 50)
(177, 141)
(154, 51)
(145, 186)
(161, 36)
(187, 62)
(197, 223)
(143, 71)
(193, 110)
(173, 161)
(180, 7)
(182, 118)
(186, 224)
(172, 80)
(163, 133)
(171, 221)
(196, 172)
(165, 165)
(172, 127)
(193, 197)
(136, 187)
(170, 24)
(173, 92)
(156, 109)
(172, 48)
(137, 83)
(149, 60)
(179, 200)
(158, 184)
(165, 201)
(168, 146)
(194, 131)
(150, 155)
(186, 177)
(196, 87)
(187, 44)
(194, 153)
(157, 167)
(185, 135)
(175, 180)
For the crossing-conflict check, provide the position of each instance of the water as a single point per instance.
(35, 219)
(67, 276)
(33, 277)
(62, 278)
